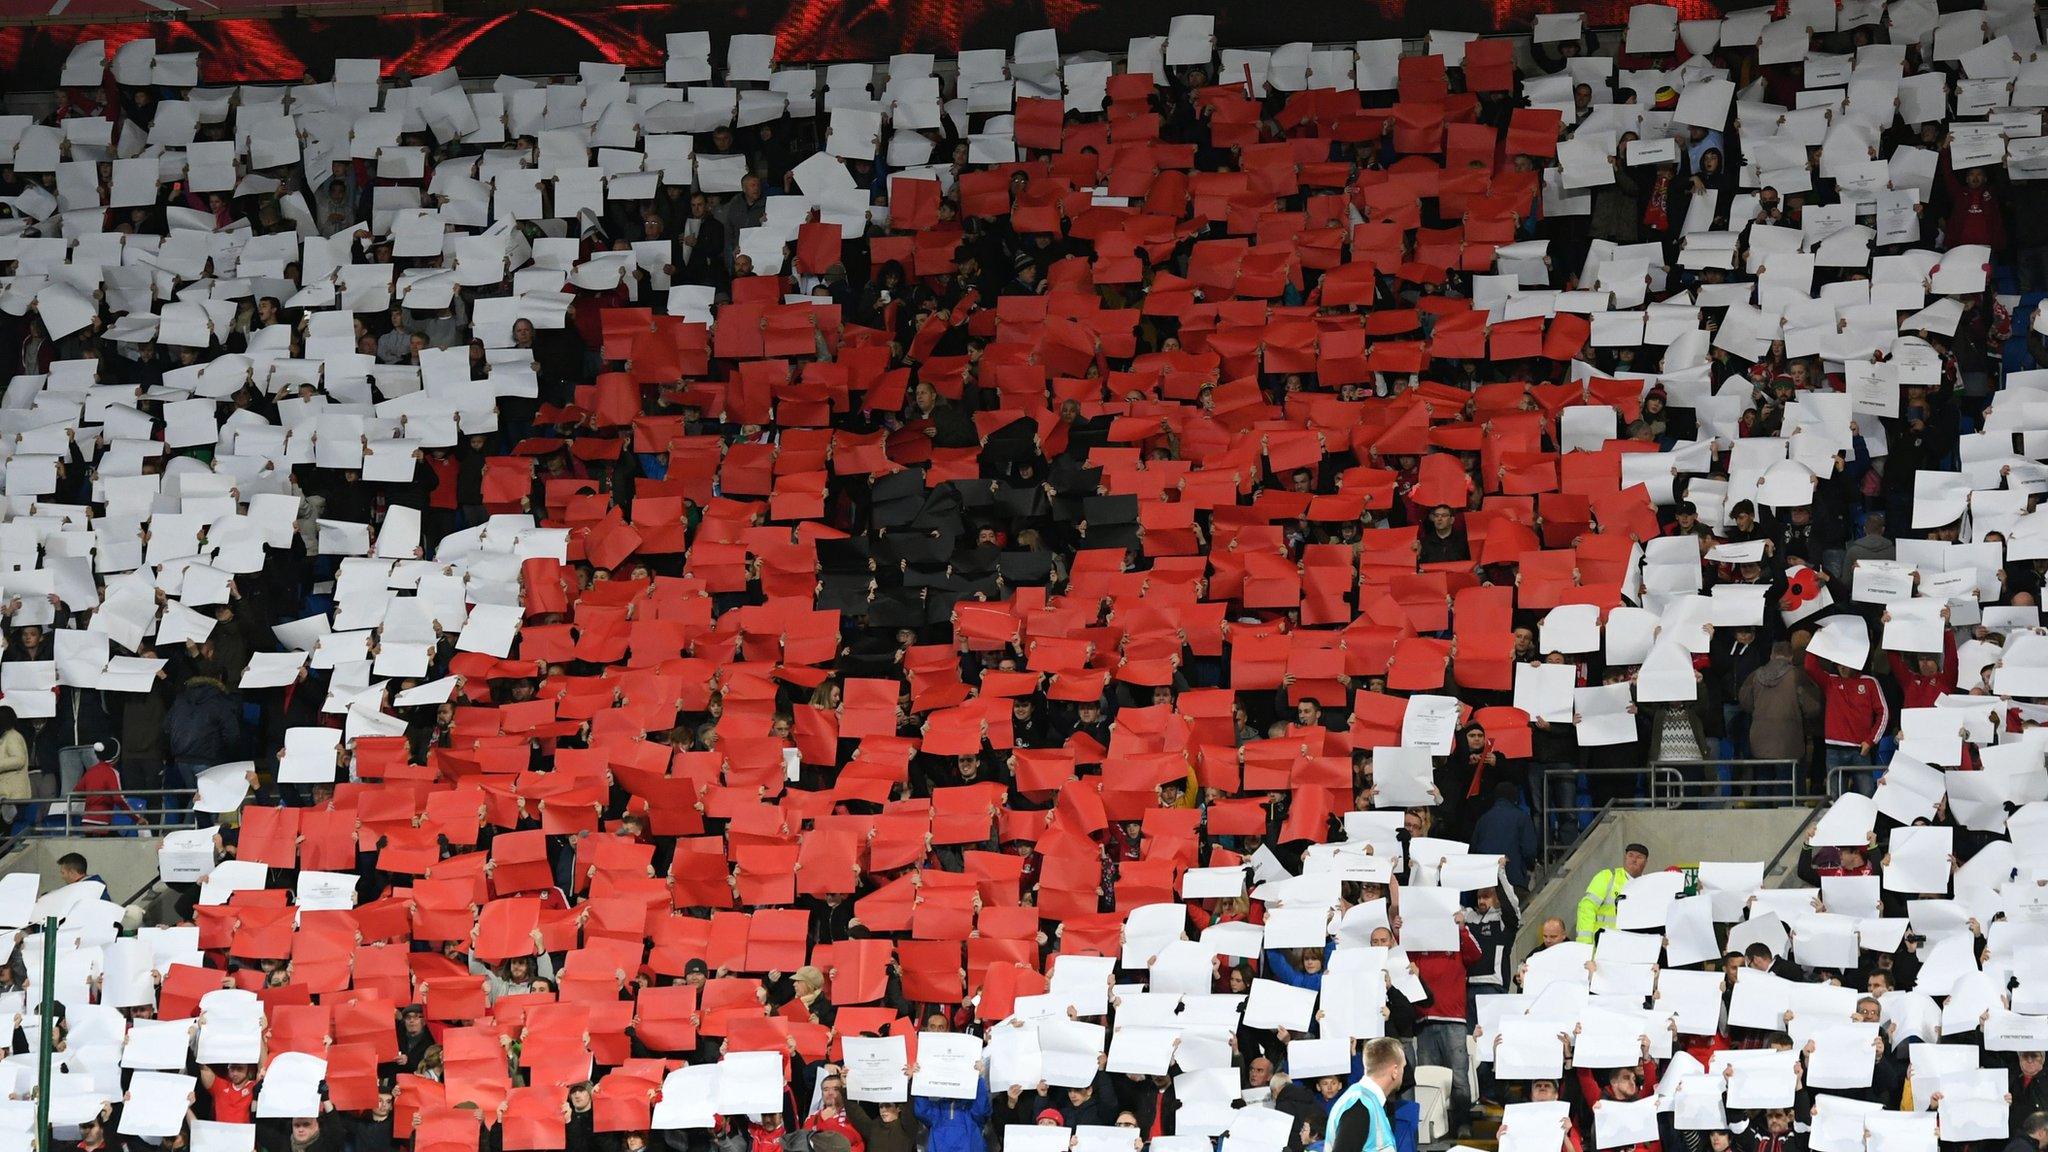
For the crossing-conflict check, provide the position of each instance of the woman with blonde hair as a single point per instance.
(826, 694)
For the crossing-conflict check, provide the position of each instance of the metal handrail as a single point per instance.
(1554, 847)
(1664, 785)
(1838, 774)
(1777, 784)
(168, 809)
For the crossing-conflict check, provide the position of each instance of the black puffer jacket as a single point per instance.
(203, 723)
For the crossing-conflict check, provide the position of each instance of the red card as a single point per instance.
(932, 970)
(533, 1119)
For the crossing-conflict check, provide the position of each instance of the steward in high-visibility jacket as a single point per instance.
(1603, 895)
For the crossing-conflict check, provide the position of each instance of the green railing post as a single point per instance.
(49, 1030)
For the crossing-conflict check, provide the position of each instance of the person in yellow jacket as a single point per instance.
(1603, 895)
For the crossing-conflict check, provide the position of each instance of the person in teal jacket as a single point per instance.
(954, 1125)
(1359, 1121)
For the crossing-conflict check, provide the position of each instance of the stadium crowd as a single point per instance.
(728, 615)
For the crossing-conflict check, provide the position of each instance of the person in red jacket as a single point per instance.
(1440, 1033)
(1544, 1092)
(831, 1115)
(105, 806)
(1925, 678)
(444, 511)
(1702, 1048)
(1623, 1085)
(1849, 860)
(1974, 215)
(1855, 717)
(766, 1133)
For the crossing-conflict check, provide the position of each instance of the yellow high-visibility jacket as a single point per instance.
(1596, 907)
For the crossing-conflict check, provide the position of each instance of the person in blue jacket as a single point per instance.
(956, 1125)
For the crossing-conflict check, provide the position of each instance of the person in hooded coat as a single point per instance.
(1783, 705)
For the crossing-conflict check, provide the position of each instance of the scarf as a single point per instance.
(1657, 213)
(1480, 764)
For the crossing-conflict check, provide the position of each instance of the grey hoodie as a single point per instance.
(1872, 548)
